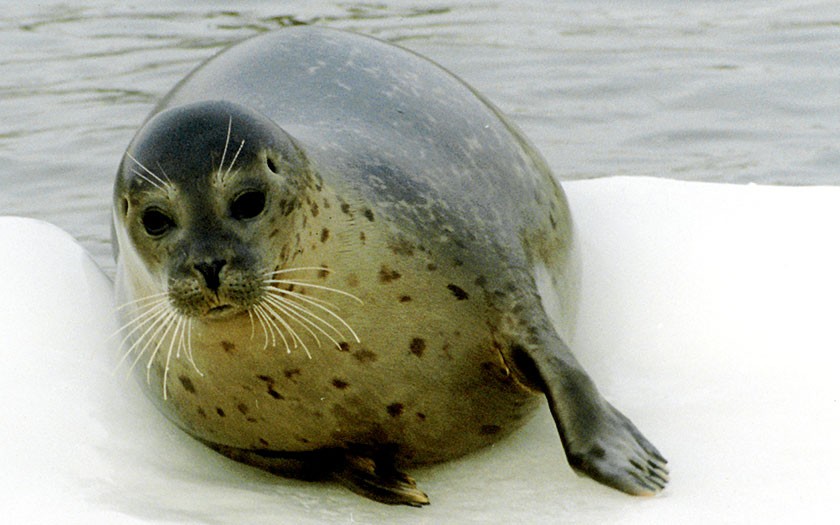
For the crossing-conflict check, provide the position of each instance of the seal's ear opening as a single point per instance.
(272, 165)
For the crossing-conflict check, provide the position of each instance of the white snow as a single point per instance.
(709, 316)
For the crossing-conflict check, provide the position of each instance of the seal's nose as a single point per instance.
(210, 271)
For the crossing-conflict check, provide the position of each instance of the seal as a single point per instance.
(333, 260)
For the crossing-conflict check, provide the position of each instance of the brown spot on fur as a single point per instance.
(401, 247)
(228, 347)
(325, 235)
(264, 442)
(365, 356)
(458, 292)
(431, 267)
(368, 214)
(362, 237)
(274, 393)
(490, 430)
(395, 409)
(481, 281)
(327, 204)
(417, 346)
(387, 275)
(291, 373)
(343, 347)
(187, 384)
(352, 280)
(405, 298)
(270, 387)
(201, 412)
(314, 209)
(340, 384)
(243, 408)
(273, 233)
(220, 412)
(324, 272)
(345, 209)
(421, 416)
(284, 206)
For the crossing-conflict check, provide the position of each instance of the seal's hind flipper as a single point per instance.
(379, 481)
(599, 440)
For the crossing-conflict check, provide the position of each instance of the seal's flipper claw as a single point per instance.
(619, 460)
(380, 481)
(599, 440)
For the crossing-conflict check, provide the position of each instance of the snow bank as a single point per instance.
(709, 315)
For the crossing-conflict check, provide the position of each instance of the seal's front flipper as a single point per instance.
(379, 481)
(599, 440)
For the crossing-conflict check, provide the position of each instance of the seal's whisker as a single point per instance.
(296, 340)
(152, 318)
(179, 332)
(272, 273)
(284, 291)
(161, 184)
(165, 176)
(262, 325)
(308, 300)
(176, 322)
(189, 350)
(148, 337)
(300, 313)
(140, 320)
(232, 162)
(159, 336)
(268, 327)
(251, 318)
(157, 320)
(304, 284)
(224, 151)
(276, 319)
(144, 299)
(147, 179)
(293, 315)
(276, 310)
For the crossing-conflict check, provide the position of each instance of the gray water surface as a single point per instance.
(709, 91)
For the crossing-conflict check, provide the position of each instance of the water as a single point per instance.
(710, 91)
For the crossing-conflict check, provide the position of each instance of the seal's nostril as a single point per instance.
(210, 271)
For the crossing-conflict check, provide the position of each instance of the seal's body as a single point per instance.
(329, 248)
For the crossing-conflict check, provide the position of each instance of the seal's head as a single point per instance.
(203, 206)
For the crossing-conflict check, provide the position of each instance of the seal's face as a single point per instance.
(199, 191)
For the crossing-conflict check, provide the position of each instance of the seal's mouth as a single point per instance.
(217, 312)
(220, 308)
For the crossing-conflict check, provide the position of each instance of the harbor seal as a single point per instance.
(332, 262)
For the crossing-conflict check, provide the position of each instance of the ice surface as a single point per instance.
(709, 316)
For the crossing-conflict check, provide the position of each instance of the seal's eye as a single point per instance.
(247, 205)
(156, 222)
